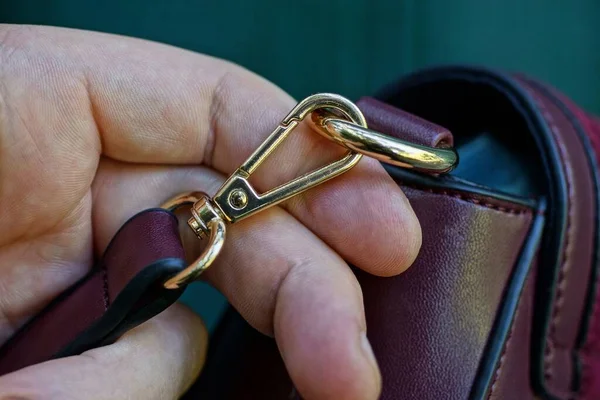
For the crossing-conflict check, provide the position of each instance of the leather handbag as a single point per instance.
(501, 302)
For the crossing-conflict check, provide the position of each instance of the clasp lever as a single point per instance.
(237, 199)
(339, 120)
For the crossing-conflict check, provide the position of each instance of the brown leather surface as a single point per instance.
(152, 236)
(429, 326)
(55, 329)
(393, 121)
(512, 378)
(578, 243)
(148, 237)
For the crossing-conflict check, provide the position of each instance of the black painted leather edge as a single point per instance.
(66, 293)
(451, 183)
(505, 317)
(122, 314)
(552, 240)
(58, 299)
(595, 171)
(115, 321)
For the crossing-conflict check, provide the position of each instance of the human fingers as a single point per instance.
(159, 360)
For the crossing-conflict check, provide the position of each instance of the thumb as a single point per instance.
(159, 359)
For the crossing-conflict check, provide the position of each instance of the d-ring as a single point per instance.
(382, 147)
(216, 239)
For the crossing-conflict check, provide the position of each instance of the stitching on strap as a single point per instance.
(562, 274)
(498, 372)
(471, 199)
(593, 334)
(105, 287)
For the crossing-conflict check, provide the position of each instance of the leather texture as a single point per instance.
(122, 291)
(499, 277)
(438, 334)
(576, 256)
(441, 334)
(394, 122)
(560, 147)
(589, 339)
(511, 376)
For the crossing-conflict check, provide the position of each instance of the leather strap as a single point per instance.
(122, 291)
(398, 123)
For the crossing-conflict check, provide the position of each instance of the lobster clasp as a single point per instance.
(237, 198)
(339, 120)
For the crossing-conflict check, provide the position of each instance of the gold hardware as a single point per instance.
(334, 117)
(237, 199)
(216, 238)
(382, 147)
(216, 227)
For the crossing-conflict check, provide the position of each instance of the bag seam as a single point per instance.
(594, 126)
(507, 344)
(473, 199)
(562, 272)
(105, 296)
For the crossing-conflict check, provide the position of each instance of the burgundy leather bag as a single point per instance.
(501, 303)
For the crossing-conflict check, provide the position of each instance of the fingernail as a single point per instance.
(368, 352)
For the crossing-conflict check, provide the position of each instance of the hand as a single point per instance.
(94, 128)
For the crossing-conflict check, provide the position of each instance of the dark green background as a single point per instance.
(352, 47)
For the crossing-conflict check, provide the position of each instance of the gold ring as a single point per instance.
(382, 147)
(216, 239)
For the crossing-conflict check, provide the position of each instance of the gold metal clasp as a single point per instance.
(334, 117)
(237, 199)
(215, 228)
